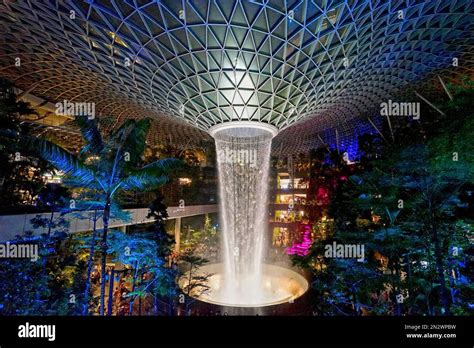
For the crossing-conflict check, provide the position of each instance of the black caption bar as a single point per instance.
(136, 331)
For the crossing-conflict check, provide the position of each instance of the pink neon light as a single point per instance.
(301, 249)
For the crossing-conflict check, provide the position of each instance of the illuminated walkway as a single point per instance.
(12, 225)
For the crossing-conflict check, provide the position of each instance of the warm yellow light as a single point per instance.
(117, 39)
(185, 181)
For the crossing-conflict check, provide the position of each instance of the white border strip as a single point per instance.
(243, 124)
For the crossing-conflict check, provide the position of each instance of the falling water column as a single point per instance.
(243, 159)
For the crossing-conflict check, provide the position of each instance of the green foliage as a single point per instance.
(148, 274)
(45, 286)
(405, 206)
(24, 289)
(106, 167)
(21, 172)
(196, 282)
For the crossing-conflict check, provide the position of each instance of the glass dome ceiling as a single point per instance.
(209, 62)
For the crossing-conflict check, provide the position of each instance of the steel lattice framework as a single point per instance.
(319, 63)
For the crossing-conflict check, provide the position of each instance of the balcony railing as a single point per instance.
(13, 225)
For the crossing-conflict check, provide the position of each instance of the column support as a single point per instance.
(177, 234)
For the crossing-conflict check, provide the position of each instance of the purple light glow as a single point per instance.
(301, 249)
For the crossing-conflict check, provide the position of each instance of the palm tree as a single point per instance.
(140, 254)
(107, 166)
(95, 209)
